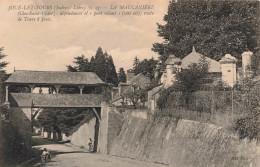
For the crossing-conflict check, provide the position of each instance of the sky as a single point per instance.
(50, 46)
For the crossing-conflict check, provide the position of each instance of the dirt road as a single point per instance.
(71, 156)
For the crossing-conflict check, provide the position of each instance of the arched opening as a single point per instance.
(69, 90)
(44, 89)
(19, 89)
(92, 90)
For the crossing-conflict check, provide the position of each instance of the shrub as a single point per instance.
(162, 100)
(249, 126)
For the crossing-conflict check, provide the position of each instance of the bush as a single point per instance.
(162, 100)
(249, 126)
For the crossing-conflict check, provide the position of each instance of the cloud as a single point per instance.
(125, 59)
(52, 45)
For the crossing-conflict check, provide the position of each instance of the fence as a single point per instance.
(218, 107)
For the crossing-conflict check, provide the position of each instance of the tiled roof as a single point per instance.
(55, 100)
(54, 77)
(195, 57)
(141, 80)
(155, 91)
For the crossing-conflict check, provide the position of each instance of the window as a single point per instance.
(228, 70)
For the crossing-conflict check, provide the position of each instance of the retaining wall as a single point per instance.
(82, 135)
(109, 129)
(182, 143)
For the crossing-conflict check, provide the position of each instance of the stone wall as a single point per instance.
(182, 143)
(82, 135)
(15, 137)
(109, 129)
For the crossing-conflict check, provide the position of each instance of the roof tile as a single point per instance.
(54, 77)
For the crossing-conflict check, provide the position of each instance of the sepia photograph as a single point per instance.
(129, 83)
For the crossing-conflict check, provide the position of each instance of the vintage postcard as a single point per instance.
(129, 83)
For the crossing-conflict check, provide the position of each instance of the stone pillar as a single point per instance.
(52, 133)
(6, 93)
(6, 96)
(42, 131)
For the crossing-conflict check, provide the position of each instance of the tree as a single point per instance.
(2, 64)
(137, 96)
(255, 63)
(121, 75)
(145, 67)
(192, 78)
(3, 75)
(111, 75)
(214, 27)
(82, 65)
(64, 120)
(187, 81)
(136, 62)
(102, 64)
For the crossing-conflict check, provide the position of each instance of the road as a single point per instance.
(72, 156)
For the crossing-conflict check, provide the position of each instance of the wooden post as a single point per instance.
(81, 87)
(31, 87)
(57, 87)
(96, 113)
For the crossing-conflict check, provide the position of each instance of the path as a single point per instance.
(72, 156)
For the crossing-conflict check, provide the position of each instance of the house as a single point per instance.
(224, 70)
(120, 93)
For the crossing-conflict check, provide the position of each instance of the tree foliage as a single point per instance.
(3, 75)
(102, 64)
(192, 78)
(121, 75)
(137, 96)
(248, 98)
(63, 119)
(145, 67)
(255, 63)
(214, 27)
(187, 81)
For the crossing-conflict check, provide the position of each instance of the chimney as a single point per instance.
(246, 63)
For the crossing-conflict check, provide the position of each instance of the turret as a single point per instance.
(228, 68)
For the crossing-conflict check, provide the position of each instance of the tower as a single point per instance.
(173, 65)
(228, 68)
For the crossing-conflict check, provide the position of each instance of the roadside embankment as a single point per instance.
(86, 131)
(182, 143)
